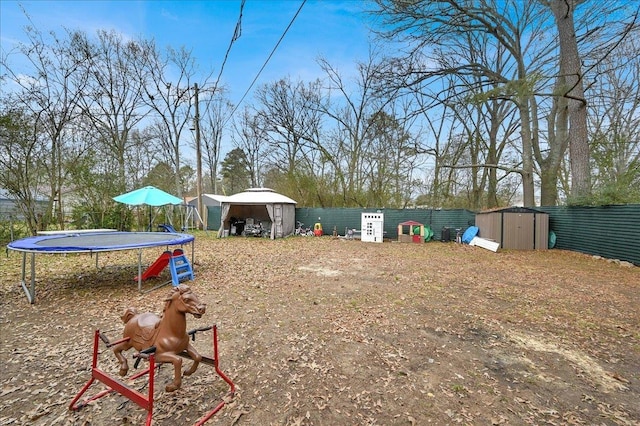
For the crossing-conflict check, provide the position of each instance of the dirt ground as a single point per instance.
(324, 331)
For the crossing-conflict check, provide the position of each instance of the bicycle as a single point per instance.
(303, 230)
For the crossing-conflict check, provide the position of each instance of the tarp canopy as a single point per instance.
(261, 204)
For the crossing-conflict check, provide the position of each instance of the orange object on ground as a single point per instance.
(156, 268)
(317, 229)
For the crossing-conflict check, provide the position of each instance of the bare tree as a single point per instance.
(249, 138)
(352, 116)
(539, 85)
(393, 159)
(290, 121)
(614, 125)
(571, 87)
(20, 152)
(217, 114)
(487, 118)
(168, 91)
(114, 97)
(433, 30)
(49, 90)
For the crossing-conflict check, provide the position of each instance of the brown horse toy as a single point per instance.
(167, 333)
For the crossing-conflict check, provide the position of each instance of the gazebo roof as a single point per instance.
(253, 196)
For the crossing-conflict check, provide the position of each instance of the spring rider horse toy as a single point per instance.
(168, 334)
(162, 339)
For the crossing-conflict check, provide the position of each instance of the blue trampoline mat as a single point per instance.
(99, 241)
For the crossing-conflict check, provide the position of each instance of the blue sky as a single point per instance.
(334, 29)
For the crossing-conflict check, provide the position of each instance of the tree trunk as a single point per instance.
(570, 68)
(558, 137)
(528, 198)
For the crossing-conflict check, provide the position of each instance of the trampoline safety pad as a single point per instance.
(92, 243)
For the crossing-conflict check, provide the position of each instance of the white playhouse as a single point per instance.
(372, 227)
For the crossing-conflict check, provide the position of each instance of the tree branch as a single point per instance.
(490, 166)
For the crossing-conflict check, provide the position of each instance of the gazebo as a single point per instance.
(261, 205)
(416, 232)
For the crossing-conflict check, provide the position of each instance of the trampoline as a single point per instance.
(92, 242)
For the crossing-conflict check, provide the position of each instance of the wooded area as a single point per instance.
(462, 104)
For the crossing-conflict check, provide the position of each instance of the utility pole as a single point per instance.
(198, 154)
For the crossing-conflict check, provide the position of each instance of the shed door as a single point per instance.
(517, 231)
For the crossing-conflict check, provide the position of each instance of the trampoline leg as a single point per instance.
(140, 270)
(29, 292)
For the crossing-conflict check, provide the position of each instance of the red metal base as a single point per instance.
(144, 401)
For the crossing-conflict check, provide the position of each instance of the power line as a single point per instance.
(266, 62)
(236, 35)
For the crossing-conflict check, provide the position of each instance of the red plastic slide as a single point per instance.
(156, 268)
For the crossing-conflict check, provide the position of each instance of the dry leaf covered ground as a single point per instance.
(323, 331)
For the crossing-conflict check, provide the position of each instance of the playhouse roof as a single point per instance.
(410, 223)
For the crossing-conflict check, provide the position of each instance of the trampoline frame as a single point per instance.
(30, 291)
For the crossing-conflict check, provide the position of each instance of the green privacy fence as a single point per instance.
(343, 219)
(350, 218)
(612, 232)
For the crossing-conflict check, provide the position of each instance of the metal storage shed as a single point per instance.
(208, 200)
(518, 228)
(261, 204)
